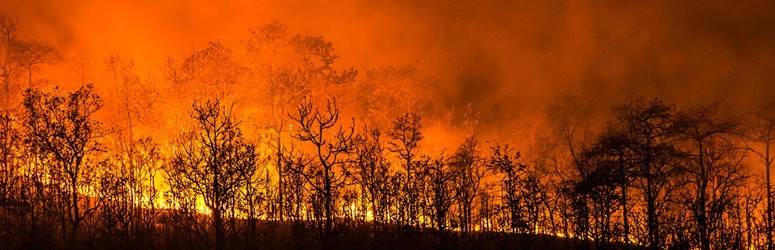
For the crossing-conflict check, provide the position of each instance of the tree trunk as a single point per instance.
(76, 220)
(651, 214)
(218, 226)
(768, 223)
(328, 200)
(625, 219)
(280, 187)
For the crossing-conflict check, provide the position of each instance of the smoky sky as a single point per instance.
(504, 58)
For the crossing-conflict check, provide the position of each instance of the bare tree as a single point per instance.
(371, 171)
(11, 192)
(212, 161)
(290, 65)
(405, 138)
(713, 170)
(761, 135)
(331, 147)
(512, 172)
(649, 129)
(570, 122)
(62, 128)
(468, 167)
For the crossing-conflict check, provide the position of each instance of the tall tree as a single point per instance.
(9, 70)
(616, 146)
(649, 129)
(713, 170)
(30, 54)
(211, 161)
(761, 136)
(371, 171)
(63, 129)
(405, 137)
(331, 146)
(512, 172)
(292, 68)
(469, 172)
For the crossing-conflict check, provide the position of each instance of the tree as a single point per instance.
(713, 170)
(599, 185)
(9, 69)
(570, 130)
(212, 160)
(441, 191)
(331, 147)
(467, 165)
(210, 71)
(615, 161)
(292, 67)
(649, 129)
(63, 129)
(29, 54)
(512, 172)
(371, 171)
(11, 192)
(762, 135)
(405, 138)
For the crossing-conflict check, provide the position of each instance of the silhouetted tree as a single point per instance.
(512, 173)
(648, 127)
(11, 192)
(213, 161)
(371, 172)
(570, 120)
(331, 147)
(616, 160)
(293, 66)
(63, 129)
(713, 171)
(405, 136)
(761, 135)
(468, 167)
(442, 193)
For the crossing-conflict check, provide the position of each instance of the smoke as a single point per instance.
(505, 59)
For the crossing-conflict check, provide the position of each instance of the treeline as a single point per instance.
(653, 176)
(657, 176)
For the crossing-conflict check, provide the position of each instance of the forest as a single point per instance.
(273, 143)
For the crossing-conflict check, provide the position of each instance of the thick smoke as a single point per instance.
(506, 59)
